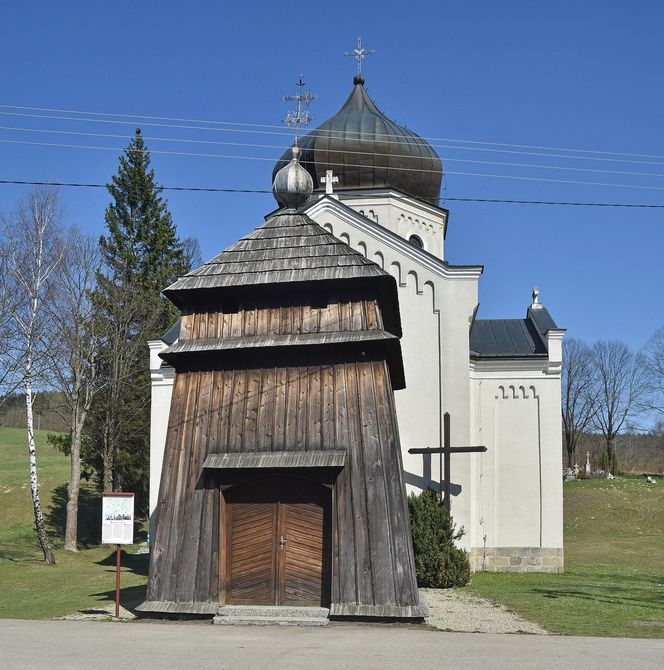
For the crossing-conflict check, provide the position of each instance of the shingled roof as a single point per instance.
(288, 249)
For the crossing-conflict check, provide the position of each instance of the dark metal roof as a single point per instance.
(542, 319)
(506, 338)
(367, 150)
(172, 334)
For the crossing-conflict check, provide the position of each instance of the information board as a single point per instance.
(117, 518)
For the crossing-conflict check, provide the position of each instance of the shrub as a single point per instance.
(438, 563)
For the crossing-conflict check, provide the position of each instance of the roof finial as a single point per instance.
(360, 54)
(536, 303)
(299, 116)
(292, 185)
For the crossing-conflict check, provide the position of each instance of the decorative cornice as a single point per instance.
(390, 239)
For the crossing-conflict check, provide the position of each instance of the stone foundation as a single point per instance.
(517, 559)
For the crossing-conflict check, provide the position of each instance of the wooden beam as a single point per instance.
(447, 451)
(450, 450)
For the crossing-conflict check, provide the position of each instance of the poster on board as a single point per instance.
(117, 518)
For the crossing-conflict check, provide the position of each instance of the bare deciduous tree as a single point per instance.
(75, 355)
(578, 402)
(655, 361)
(621, 390)
(34, 253)
(10, 378)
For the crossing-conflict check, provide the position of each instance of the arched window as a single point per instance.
(416, 241)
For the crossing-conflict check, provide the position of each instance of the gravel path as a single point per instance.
(456, 610)
(449, 609)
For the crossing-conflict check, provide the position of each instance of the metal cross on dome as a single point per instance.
(300, 115)
(360, 53)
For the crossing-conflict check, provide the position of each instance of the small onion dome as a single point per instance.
(368, 151)
(292, 185)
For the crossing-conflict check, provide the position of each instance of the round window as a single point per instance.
(416, 241)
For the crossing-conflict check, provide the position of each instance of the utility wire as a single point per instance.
(26, 182)
(326, 132)
(336, 151)
(393, 169)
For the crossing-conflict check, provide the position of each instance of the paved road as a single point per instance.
(91, 644)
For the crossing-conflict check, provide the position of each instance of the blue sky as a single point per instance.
(565, 75)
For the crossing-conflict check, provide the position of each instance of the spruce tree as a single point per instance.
(142, 255)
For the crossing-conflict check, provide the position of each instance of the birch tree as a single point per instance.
(34, 254)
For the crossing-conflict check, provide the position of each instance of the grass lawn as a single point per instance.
(613, 583)
(84, 580)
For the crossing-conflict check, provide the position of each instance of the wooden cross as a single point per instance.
(329, 180)
(447, 451)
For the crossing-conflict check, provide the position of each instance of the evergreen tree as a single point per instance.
(438, 563)
(142, 255)
(142, 247)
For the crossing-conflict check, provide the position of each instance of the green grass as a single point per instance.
(84, 580)
(613, 584)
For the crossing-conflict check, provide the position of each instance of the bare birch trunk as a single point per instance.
(46, 548)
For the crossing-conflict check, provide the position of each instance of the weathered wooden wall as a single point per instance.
(341, 402)
(276, 317)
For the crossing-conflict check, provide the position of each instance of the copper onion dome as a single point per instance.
(366, 150)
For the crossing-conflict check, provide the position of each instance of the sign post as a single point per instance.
(117, 527)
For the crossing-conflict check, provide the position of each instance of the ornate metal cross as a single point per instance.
(329, 180)
(300, 115)
(360, 53)
(447, 451)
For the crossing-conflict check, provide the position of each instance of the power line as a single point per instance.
(394, 169)
(326, 132)
(336, 151)
(26, 182)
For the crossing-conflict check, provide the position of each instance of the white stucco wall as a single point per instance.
(162, 377)
(518, 481)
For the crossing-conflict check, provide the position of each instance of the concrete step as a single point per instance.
(246, 615)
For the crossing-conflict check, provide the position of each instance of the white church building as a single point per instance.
(378, 186)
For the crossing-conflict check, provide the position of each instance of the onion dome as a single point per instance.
(366, 150)
(292, 185)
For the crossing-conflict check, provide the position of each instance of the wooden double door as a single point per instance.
(276, 542)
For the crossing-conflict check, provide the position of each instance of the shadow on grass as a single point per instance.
(130, 596)
(89, 516)
(136, 563)
(611, 594)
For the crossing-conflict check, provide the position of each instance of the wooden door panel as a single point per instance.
(303, 529)
(251, 532)
(258, 569)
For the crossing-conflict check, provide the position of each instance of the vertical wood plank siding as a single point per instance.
(296, 404)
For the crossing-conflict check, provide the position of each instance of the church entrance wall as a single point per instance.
(276, 543)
